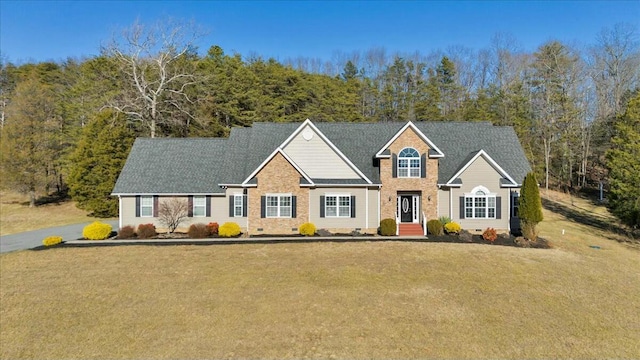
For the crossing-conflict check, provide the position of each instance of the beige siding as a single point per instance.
(374, 208)
(219, 214)
(480, 172)
(443, 202)
(331, 224)
(317, 159)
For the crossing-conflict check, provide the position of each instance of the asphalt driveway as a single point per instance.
(31, 239)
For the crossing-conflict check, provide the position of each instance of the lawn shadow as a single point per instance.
(55, 198)
(592, 220)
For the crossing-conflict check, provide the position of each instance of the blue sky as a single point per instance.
(55, 30)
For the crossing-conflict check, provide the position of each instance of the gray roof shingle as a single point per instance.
(199, 165)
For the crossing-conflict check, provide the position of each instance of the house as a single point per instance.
(273, 177)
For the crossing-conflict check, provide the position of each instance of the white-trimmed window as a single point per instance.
(409, 163)
(337, 205)
(146, 206)
(199, 206)
(278, 205)
(238, 204)
(480, 204)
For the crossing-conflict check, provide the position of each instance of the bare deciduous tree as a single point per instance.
(157, 68)
(173, 212)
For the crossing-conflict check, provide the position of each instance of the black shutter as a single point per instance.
(208, 211)
(244, 205)
(190, 206)
(231, 203)
(321, 206)
(353, 206)
(394, 165)
(263, 207)
(155, 205)
(293, 206)
(498, 207)
(137, 205)
(461, 207)
(423, 166)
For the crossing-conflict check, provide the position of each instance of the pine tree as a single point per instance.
(623, 160)
(530, 211)
(97, 162)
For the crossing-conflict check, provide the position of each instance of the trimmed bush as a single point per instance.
(213, 228)
(229, 229)
(307, 229)
(96, 231)
(198, 231)
(444, 220)
(146, 231)
(52, 240)
(452, 228)
(435, 227)
(530, 210)
(490, 235)
(127, 232)
(388, 227)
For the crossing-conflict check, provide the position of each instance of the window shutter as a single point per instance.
(244, 205)
(293, 206)
(423, 166)
(498, 207)
(137, 205)
(321, 206)
(353, 206)
(155, 205)
(208, 211)
(394, 165)
(190, 206)
(232, 198)
(263, 208)
(461, 207)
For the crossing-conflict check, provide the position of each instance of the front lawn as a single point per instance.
(323, 300)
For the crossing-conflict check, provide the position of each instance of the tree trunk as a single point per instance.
(32, 198)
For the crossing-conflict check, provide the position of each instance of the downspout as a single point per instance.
(119, 212)
(366, 213)
(451, 203)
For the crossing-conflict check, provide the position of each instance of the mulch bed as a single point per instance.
(502, 240)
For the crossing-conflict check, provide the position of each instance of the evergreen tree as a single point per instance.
(530, 211)
(97, 162)
(623, 160)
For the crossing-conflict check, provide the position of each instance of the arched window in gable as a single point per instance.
(409, 163)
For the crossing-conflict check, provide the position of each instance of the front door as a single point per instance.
(406, 208)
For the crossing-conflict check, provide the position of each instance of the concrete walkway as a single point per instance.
(31, 239)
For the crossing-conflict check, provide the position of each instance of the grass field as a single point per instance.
(327, 300)
(16, 215)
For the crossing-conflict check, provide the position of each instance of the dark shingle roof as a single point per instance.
(198, 165)
(173, 166)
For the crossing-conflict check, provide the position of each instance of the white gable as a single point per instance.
(316, 158)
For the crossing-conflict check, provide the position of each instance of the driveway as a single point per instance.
(31, 239)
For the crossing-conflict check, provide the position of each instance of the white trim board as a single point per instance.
(421, 135)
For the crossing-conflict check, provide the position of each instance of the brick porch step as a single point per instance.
(410, 230)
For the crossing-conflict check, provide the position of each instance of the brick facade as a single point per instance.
(427, 187)
(277, 176)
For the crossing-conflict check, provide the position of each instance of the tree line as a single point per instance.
(69, 125)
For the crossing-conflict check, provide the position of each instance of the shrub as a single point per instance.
(198, 231)
(96, 231)
(434, 227)
(530, 209)
(229, 229)
(529, 231)
(127, 232)
(490, 235)
(213, 228)
(452, 228)
(307, 229)
(52, 240)
(444, 220)
(173, 212)
(388, 227)
(146, 231)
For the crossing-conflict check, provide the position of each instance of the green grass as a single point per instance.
(327, 300)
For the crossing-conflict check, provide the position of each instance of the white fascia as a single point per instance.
(328, 142)
(422, 136)
(491, 162)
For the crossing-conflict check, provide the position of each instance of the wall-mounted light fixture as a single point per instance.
(429, 197)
